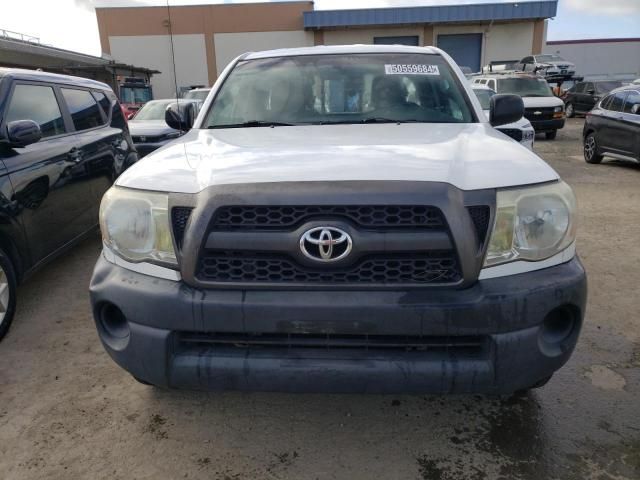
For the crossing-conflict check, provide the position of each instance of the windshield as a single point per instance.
(354, 88)
(525, 87)
(196, 94)
(484, 97)
(549, 58)
(135, 94)
(153, 110)
(606, 87)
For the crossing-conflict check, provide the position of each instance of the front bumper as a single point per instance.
(547, 125)
(507, 313)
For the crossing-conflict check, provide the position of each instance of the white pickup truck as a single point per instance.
(341, 219)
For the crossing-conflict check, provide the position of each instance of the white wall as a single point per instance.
(154, 51)
(230, 45)
(600, 61)
(365, 35)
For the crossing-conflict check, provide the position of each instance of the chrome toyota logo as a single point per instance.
(325, 244)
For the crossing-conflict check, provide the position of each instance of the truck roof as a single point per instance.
(38, 76)
(340, 49)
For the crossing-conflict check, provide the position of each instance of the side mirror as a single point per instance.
(180, 116)
(635, 109)
(505, 109)
(21, 133)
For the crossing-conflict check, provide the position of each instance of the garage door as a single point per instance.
(464, 48)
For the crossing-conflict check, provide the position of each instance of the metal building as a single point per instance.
(601, 59)
(204, 38)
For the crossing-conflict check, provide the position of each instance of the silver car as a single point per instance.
(548, 65)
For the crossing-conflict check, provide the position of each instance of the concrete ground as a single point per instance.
(68, 412)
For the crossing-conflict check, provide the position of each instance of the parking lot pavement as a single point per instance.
(67, 411)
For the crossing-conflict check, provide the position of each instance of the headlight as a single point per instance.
(532, 223)
(558, 109)
(135, 225)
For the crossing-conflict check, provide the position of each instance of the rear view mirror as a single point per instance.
(180, 116)
(21, 133)
(505, 109)
(591, 91)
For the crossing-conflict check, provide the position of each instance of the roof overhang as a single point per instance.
(469, 13)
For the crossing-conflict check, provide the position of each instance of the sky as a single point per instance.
(75, 27)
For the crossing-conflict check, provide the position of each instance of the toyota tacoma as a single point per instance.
(341, 219)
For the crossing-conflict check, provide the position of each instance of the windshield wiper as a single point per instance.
(253, 123)
(366, 120)
(388, 120)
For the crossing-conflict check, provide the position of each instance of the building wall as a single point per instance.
(230, 45)
(616, 60)
(141, 33)
(504, 41)
(154, 51)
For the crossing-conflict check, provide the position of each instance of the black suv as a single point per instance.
(583, 96)
(612, 128)
(63, 141)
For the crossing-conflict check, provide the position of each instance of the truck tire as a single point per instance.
(8, 290)
(551, 135)
(591, 154)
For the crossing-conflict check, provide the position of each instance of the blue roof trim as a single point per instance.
(434, 14)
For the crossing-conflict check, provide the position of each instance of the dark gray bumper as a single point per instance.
(507, 314)
(547, 125)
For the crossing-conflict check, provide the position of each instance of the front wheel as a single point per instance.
(591, 154)
(551, 135)
(8, 287)
(571, 112)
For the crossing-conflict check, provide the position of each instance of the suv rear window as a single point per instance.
(37, 103)
(84, 110)
(104, 102)
(354, 88)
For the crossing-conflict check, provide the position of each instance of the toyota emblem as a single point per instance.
(325, 244)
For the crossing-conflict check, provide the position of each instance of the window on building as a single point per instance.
(37, 103)
(84, 110)
(412, 41)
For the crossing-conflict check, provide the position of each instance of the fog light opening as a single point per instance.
(113, 325)
(558, 330)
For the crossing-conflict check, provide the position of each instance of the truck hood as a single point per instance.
(469, 156)
(538, 102)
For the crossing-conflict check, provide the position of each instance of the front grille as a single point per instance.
(480, 216)
(179, 218)
(253, 267)
(368, 216)
(451, 345)
(546, 113)
(514, 133)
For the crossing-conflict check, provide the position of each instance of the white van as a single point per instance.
(544, 110)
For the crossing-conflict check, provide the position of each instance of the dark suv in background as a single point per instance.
(63, 141)
(612, 128)
(583, 96)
